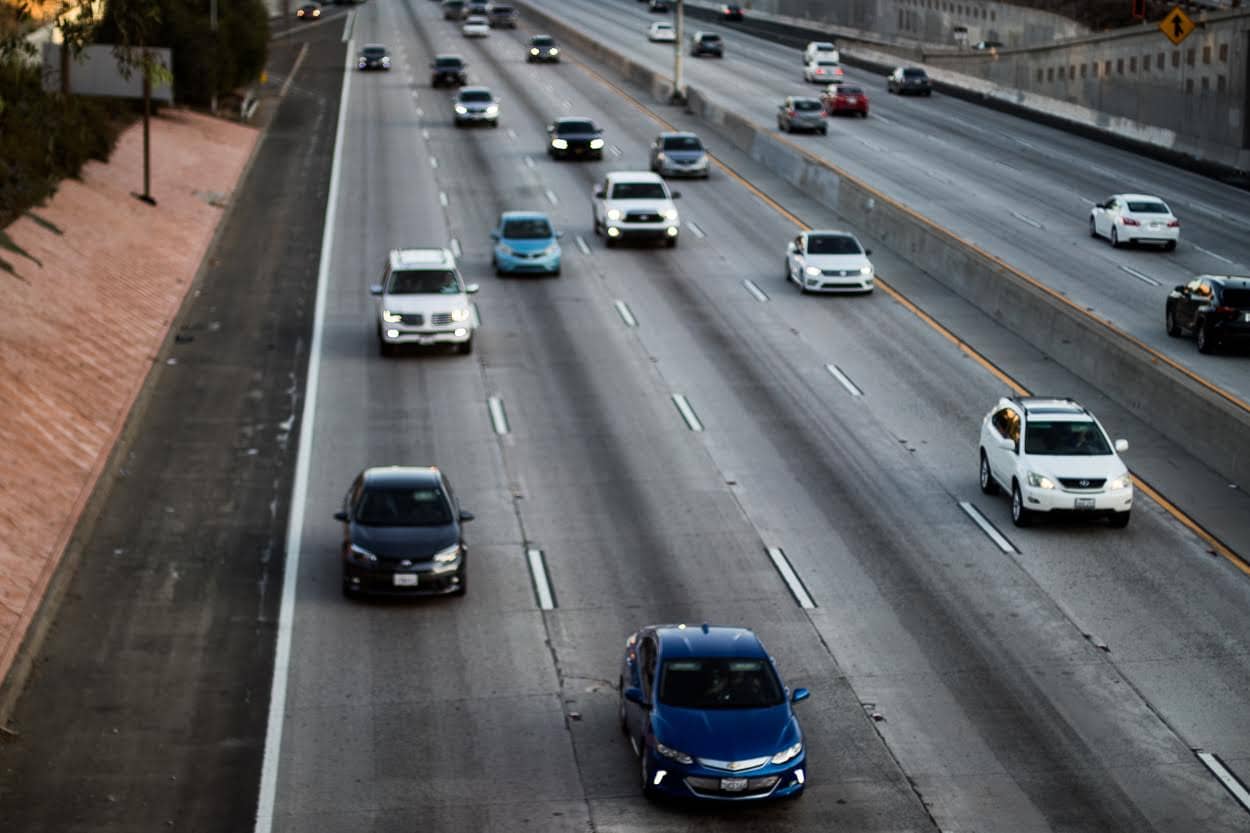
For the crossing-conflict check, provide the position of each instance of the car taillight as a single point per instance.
(1129, 221)
(1174, 223)
(1227, 310)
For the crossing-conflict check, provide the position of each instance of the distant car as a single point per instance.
(708, 715)
(658, 6)
(574, 136)
(662, 32)
(909, 81)
(635, 205)
(819, 50)
(475, 26)
(987, 44)
(477, 7)
(308, 11)
(845, 98)
(1053, 456)
(1135, 218)
(374, 56)
(422, 300)
(525, 241)
(502, 17)
(829, 261)
(475, 105)
(403, 534)
(823, 71)
(542, 49)
(707, 43)
(1215, 309)
(448, 69)
(802, 113)
(731, 13)
(453, 9)
(679, 154)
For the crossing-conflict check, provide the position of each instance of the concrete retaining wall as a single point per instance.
(1183, 408)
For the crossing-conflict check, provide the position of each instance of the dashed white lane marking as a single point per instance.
(615, 151)
(622, 309)
(1024, 218)
(433, 162)
(498, 418)
(420, 113)
(687, 413)
(695, 230)
(551, 196)
(872, 146)
(425, 134)
(1144, 278)
(1230, 781)
(455, 247)
(581, 244)
(529, 161)
(1212, 254)
(511, 133)
(988, 528)
(884, 120)
(791, 578)
(299, 59)
(755, 290)
(538, 574)
(442, 198)
(845, 380)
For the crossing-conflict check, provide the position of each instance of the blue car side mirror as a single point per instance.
(494, 235)
(800, 694)
(634, 695)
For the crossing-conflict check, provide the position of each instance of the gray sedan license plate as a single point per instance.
(733, 785)
(405, 579)
(1085, 503)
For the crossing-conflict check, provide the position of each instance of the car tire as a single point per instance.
(671, 243)
(928, 93)
(349, 592)
(464, 348)
(1169, 246)
(1119, 520)
(1020, 516)
(988, 484)
(863, 115)
(1169, 321)
(1093, 228)
(649, 792)
(385, 350)
(1115, 238)
(1206, 344)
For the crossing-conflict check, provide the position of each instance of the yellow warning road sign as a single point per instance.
(1177, 25)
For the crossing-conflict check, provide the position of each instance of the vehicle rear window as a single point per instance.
(423, 282)
(566, 127)
(1065, 438)
(385, 506)
(833, 244)
(914, 73)
(476, 95)
(448, 63)
(850, 91)
(1147, 207)
(501, 10)
(1239, 298)
(638, 191)
(807, 104)
(710, 38)
(826, 63)
(682, 143)
(529, 229)
(720, 683)
(821, 47)
(542, 40)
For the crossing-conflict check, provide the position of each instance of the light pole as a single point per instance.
(212, 25)
(679, 87)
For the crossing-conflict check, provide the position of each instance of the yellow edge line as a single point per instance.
(1172, 509)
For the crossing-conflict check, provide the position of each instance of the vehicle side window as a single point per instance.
(386, 274)
(1007, 423)
(798, 244)
(353, 494)
(451, 495)
(646, 658)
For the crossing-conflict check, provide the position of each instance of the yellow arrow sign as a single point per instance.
(1176, 26)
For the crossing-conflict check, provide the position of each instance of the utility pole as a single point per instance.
(212, 25)
(679, 86)
(146, 196)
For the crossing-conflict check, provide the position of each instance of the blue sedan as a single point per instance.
(707, 714)
(526, 242)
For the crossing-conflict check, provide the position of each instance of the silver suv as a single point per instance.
(422, 300)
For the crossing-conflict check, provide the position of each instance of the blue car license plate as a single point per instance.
(733, 785)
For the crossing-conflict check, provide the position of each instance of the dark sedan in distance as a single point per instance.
(309, 11)
(574, 137)
(374, 56)
(909, 81)
(1215, 309)
(402, 534)
(542, 49)
(448, 69)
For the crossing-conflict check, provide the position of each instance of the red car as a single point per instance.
(845, 98)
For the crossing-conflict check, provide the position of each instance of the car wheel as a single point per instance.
(824, 130)
(988, 486)
(1169, 319)
(385, 350)
(786, 271)
(863, 115)
(928, 93)
(1169, 246)
(1206, 344)
(465, 347)
(1119, 520)
(1115, 238)
(1093, 228)
(1020, 516)
(648, 791)
(610, 241)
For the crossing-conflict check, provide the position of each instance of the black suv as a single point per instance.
(905, 80)
(707, 43)
(374, 56)
(1214, 308)
(402, 534)
(448, 69)
(576, 136)
(542, 48)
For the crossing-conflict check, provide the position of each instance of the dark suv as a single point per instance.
(905, 80)
(448, 69)
(402, 534)
(707, 43)
(1214, 308)
(502, 17)
(574, 137)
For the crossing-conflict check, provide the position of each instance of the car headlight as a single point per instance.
(1124, 481)
(559, 144)
(534, 51)
(362, 555)
(461, 314)
(866, 270)
(553, 249)
(614, 214)
(461, 109)
(669, 214)
(492, 109)
(670, 752)
(1040, 481)
(555, 51)
(386, 62)
(362, 63)
(595, 144)
(812, 271)
(448, 555)
(392, 317)
(788, 754)
(660, 157)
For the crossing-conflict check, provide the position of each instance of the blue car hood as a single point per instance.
(418, 543)
(528, 245)
(726, 734)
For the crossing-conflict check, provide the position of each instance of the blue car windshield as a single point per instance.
(532, 229)
(720, 683)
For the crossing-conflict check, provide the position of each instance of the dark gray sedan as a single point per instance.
(799, 112)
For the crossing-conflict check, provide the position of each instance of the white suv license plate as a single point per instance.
(405, 579)
(1085, 503)
(733, 785)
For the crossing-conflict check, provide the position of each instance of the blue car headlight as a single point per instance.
(788, 754)
(674, 754)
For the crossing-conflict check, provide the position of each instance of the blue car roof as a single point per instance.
(708, 641)
(523, 215)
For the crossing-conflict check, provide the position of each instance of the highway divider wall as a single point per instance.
(1212, 427)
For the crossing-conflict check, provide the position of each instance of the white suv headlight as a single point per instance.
(1124, 481)
(1040, 481)
(788, 754)
(461, 314)
(669, 214)
(391, 317)
(812, 271)
(614, 214)
(866, 270)
(461, 109)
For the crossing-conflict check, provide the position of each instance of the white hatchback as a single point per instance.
(1135, 218)
(1053, 456)
(829, 261)
(662, 33)
(475, 27)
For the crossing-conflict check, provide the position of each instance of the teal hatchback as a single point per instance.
(525, 241)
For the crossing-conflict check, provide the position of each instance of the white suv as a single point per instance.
(422, 300)
(1051, 455)
(635, 204)
(820, 51)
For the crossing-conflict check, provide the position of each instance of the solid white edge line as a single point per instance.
(299, 59)
(755, 290)
(347, 29)
(266, 801)
(538, 572)
(791, 578)
(687, 413)
(551, 196)
(695, 230)
(581, 244)
(1144, 278)
(498, 419)
(622, 309)
(1230, 781)
(455, 247)
(986, 527)
(845, 380)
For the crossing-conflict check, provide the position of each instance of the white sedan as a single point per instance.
(1134, 218)
(823, 71)
(661, 33)
(475, 27)
(829, 261)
